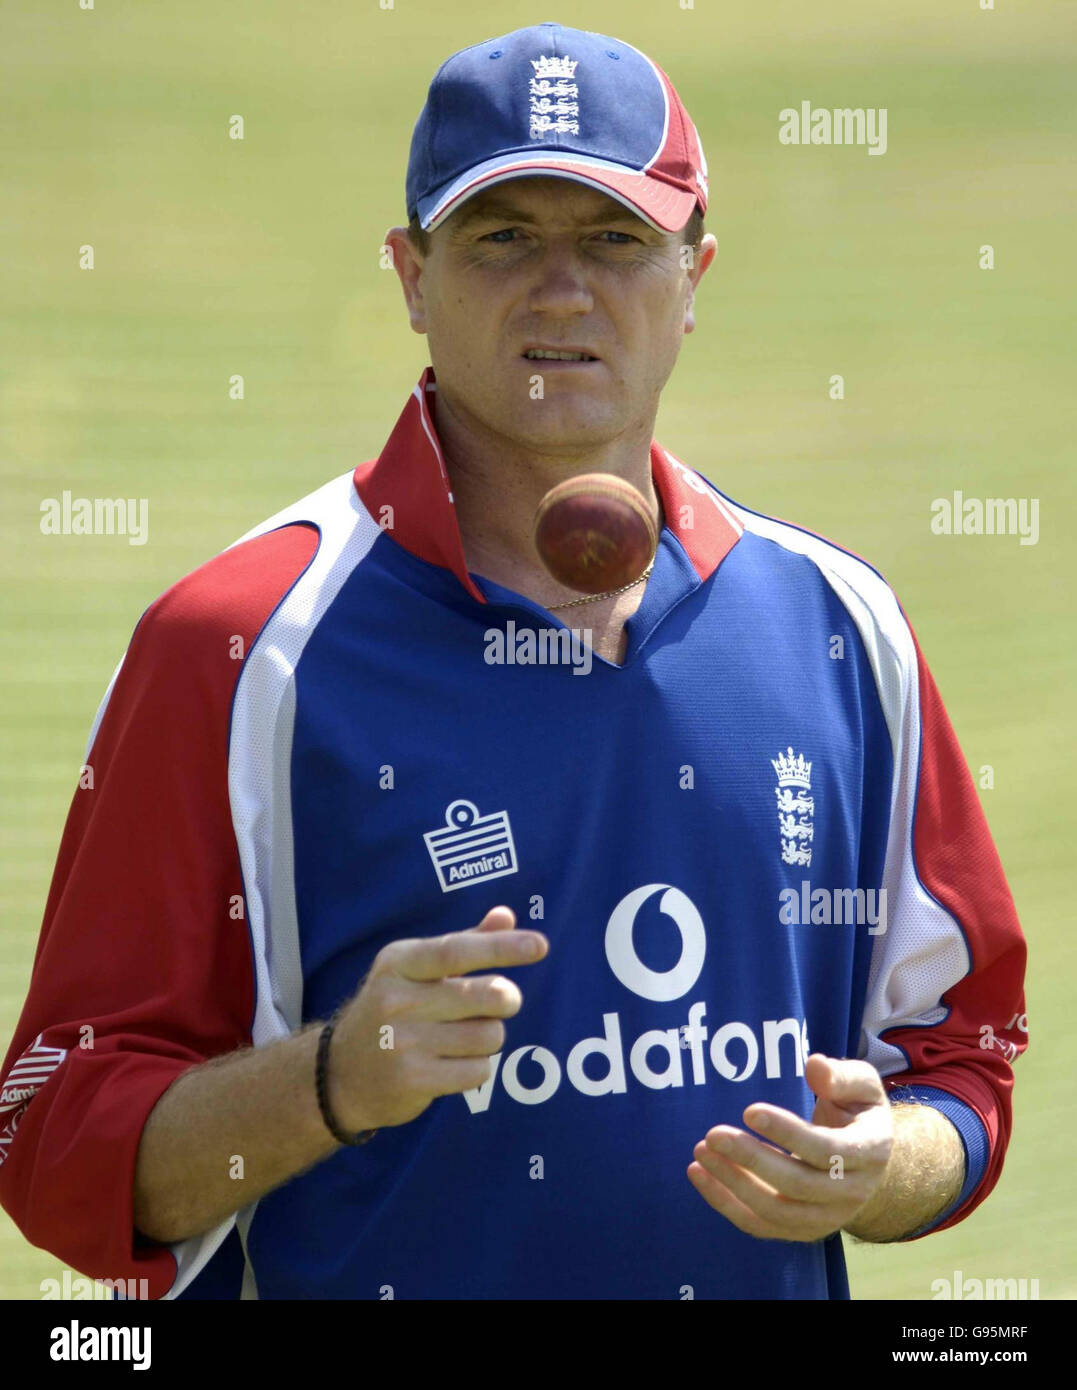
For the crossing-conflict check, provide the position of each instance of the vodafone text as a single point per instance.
(735, 1048)
(734, 1053)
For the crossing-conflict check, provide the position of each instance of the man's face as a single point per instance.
(546, 263)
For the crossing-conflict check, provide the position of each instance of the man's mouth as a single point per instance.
(557, 355)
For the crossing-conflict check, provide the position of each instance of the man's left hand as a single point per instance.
(833, 1167)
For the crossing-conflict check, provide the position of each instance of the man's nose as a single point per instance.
(561, 284)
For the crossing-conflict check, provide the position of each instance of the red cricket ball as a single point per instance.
(595, 533)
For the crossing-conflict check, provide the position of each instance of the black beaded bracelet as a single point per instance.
(321, 1081)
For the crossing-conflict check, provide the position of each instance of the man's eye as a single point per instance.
(501, 237)
(625, 237)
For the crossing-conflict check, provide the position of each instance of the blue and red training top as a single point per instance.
(754, 839)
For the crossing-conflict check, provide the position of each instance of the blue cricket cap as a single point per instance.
(556, 101)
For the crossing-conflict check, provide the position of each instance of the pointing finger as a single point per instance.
(458, 953)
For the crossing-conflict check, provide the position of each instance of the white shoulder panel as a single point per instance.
(923, 952)
(259, 784)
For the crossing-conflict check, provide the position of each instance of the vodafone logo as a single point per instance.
(661, 1057)
(660, 986)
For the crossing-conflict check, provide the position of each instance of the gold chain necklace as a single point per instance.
(593, 598)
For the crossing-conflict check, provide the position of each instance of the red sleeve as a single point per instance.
(143, 967)
(969, 1054)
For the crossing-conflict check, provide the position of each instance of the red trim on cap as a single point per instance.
(681, 158)
(409, 476)
(656, 195)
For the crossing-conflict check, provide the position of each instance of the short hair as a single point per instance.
(693, 228)
(692, 232)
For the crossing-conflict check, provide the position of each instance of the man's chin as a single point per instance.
(564, 425)
(560, 420)
(567, 439)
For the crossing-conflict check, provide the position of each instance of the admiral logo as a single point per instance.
(11, 1096)
(29, 1073)
(473, 848)
(22, 1083)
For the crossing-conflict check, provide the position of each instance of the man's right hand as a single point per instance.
(444, 1027)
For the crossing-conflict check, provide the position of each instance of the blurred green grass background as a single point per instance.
(260, 257)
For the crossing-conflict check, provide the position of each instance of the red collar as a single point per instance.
(406, 490)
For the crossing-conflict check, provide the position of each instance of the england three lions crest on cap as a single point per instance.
(795, 807)
(471, 848)
(554, 104)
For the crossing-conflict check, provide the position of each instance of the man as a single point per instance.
(293, 1030)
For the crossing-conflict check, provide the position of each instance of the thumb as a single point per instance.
(847, 1082)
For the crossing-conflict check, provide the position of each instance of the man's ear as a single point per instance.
(708, 249)
(408, 264)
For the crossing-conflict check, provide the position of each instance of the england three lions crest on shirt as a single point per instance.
(795, 806)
